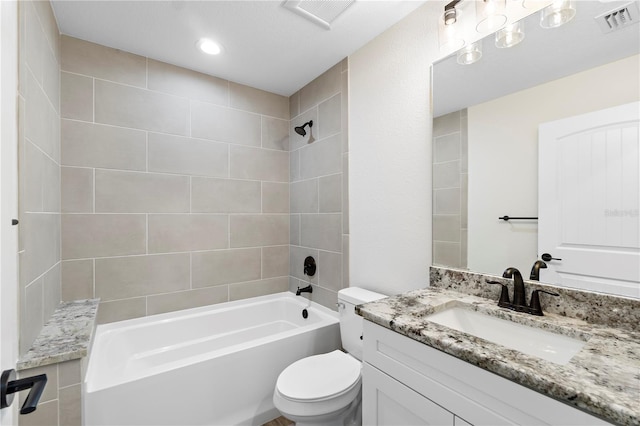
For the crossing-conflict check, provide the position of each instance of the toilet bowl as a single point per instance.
(326, 389)
(320, 389)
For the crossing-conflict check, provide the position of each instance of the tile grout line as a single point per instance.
(162, 173)
(146, 233)
(146, 151)
(182, 135)
(94, 276)
(94, 190)
(226, 104)
(39, 148)
(93, 112)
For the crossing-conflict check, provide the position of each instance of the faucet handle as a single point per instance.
(535, 270)
(534, 307)
(504, 301)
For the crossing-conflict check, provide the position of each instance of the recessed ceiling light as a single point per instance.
(208, 46)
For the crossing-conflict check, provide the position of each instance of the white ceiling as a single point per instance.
(266, 46)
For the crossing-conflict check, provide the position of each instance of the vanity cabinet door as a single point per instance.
(385, 401)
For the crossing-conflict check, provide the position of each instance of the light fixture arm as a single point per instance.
(450, 12)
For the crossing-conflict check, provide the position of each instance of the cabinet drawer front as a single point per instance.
(476, 395)
(387, 402)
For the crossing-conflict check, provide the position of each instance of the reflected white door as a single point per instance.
(8, 195)
(589, 192)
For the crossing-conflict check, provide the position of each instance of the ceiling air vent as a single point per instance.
(321, 12)
(619, 18)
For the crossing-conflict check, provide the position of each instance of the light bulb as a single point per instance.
(448, 37)
(510, 35)
(558, 13)
(470, 54)
(490, 15)
(209, 47)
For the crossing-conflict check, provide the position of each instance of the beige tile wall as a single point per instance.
(158, 188)
(319, 224)
(60, 403)
(450, 177)
(175, 185)
(39, 168)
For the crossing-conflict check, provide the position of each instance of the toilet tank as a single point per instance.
(350, 322)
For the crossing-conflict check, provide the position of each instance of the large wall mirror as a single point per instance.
(488, 118)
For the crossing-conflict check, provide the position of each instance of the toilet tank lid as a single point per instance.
(357, 295)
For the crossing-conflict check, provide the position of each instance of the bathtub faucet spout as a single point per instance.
(307, 289)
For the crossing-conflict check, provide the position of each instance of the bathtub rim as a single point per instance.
(94, 383)
(223, 306)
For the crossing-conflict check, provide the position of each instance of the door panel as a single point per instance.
(589, 191)
(8, 195)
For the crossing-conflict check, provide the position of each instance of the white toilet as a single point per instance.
(325, 390)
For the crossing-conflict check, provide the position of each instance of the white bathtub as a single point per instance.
(215, 365)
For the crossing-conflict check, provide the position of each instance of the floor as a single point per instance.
(280, 421)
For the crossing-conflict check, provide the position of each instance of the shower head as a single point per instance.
(300, 129)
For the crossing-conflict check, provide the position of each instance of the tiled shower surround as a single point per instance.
(319, 186)
(450, 189)
(175, 185)
(38, 168)
(156, 188)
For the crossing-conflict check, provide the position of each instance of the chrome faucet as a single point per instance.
(519, 303)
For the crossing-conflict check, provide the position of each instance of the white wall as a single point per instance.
(503, 157)
(9, 189)
(390, 155)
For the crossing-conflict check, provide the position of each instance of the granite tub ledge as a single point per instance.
(66, 336)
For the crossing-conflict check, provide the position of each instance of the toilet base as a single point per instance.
(349, 416)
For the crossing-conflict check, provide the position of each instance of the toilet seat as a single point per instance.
(319, 377)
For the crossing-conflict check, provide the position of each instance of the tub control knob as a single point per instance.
(310, 266)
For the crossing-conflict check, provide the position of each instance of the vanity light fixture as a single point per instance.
(470, 53)
(457, 28)
(448, 36)
(490, 15)
(510, 35)
(558, 13)
(209, 46)
(450, 14)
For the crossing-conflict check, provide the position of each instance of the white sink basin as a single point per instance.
(540, 343)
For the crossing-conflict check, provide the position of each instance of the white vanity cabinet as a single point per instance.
(405, 382)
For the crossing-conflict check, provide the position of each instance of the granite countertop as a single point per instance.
(66, 336)
(602, 379)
